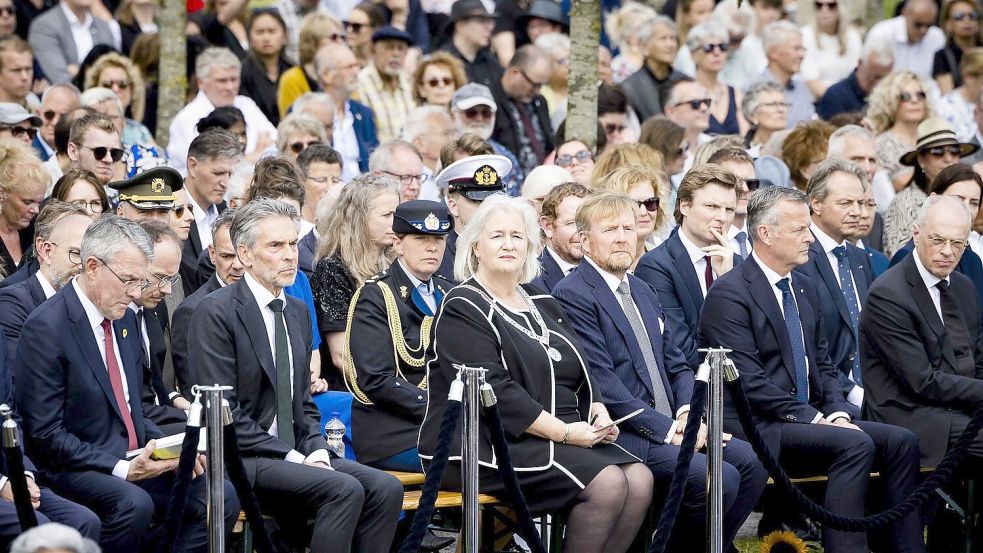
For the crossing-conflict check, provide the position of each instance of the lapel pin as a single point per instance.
(403, 292)
(124, 333)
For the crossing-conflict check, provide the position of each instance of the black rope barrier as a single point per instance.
(943, 473)
(247, 497)
(179, 492)
(421, 519)
(677, 488)
(507, 473)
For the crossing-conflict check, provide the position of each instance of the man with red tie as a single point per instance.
(79, 376)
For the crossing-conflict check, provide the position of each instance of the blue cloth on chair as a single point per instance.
(340, 402)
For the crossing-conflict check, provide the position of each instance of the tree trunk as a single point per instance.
(585, 35)
(172, 80)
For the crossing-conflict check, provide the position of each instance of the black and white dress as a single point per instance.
(528, 378)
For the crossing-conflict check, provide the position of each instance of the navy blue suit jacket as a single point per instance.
(307, 252)
(878, 261)
(969, 264)
(841, 337)
(7, 398)
(71, 419)
(550, 273)
(669, 271)
(742, 313)
(17, 302)
(615, 359)
(364, 127)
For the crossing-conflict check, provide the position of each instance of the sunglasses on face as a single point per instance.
(478, 113)
(18, 132)
(298, 147)
(695, 104)
(612, 128)
(909, 97)
(939, 151)
(179, 209)
(100, 153)
(435, 82)
(972, 16)
(566, 160)
(722, 46)
(354, 27)
(49, 115)
(651, 205)
(122, 85)
(827, 5)
(337, 37)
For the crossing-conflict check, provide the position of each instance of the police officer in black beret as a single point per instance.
(389, 336)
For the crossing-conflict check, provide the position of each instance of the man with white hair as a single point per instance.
(473, 109)
(53, 537)
(57, 101)
(354, 132)
(218, 73)
(320, 106)
(913, 35)
(855, 143)
(399, 160)
(850, 94)
(382, 84)
(785, 51)
(429, 128)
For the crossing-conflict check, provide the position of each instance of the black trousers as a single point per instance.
(354, 507)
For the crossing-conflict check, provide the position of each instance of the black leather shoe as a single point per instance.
(432, 542)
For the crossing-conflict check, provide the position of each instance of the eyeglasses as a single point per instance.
(752, 184)
(827, 5)
(326, 180)
(179, 209)
(972, 16)
(92, 206)
(18, 132)
(122, 85)
(131, 284)
(566, 160)
(405, 179)
(476, 113)
(776, 105)
(445, 81)
(611, 128)
(651, 204)
(298, 147)
(909, 97)
(74, 254)
(695, 104)
(939, 242)
(939, 151)
(535, 85)
(7, 12)
(355, 27)
(722, 46)
(164, 281)
(50, 114)
(100, 153)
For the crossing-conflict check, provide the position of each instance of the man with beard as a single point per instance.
(562, 253)
(354, 133)
(382, 84)
(58, 232)
(94, 144)
(473, 108)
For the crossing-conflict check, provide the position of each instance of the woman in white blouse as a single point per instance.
(832, 47)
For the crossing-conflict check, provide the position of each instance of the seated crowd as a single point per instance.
(356, 198)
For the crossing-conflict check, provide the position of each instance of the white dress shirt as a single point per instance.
(344, 141)
(81, 31)
(48, 289)
(732, 238)
(263, 299)
(930, 281)
(564, 265)
(913, 56)
(203, 221)
(698, 258)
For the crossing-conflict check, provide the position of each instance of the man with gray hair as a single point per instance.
(266, 350)
(856, 144)
(57, 101)
(79, 397)
(850, 94)
(768, 314)
(401, 161)
(53, 538)
(217, 71)
(841, 270)
(920, 337)
(913, 36)
(429, 128)
(785, 52)
(320, 106)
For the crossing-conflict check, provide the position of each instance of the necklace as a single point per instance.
(543, 337)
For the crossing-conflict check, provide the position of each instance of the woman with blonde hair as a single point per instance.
(119, 74)
(356, 239)
(629, 27)
(832, 46)
(646, 187)
(316, 30)
(23, 181)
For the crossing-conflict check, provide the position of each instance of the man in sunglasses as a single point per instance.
(914, 36)
(94, 145)
(785, 52)
(57, 101)
(149, 195)
(17, 123)
(522, 122)
(473, 109)
(688, 105)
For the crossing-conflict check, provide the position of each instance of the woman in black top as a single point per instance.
(264, 63)
(23, 181)
(961, 21)
(223, 23)
(494, 320)
(356, 240)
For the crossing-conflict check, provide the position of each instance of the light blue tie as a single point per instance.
(794, 327)
(741, 238)
(427, 296)
(850, 296)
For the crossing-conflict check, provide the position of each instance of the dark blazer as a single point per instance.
(53, 44)
(17, 302)
(507, 133)
(228, 344)
(878, 261)
(615, 358)
(156, 396)
(7, 398)
(24, 272)
(841, 337)
(306, 253)
(742, 313)
(180, 322)
(446, 269)
(912, 377)
(71, 419)
(875, 239)
(191, 249)
(364, 127)
(669, 271)
(969, 264)
(389, 402)
(645, 94)
(550, 273)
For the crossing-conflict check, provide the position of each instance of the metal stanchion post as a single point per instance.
(473, 379)
(215, 419)
(713, 370)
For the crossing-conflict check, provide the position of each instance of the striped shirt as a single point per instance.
(390, 106)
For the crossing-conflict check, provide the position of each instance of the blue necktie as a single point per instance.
(741, 238)
(794, 327)
(850, 295)
(427, 297)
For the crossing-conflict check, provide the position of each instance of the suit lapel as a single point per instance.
(683, 264)
(764, 297)
(552, 273)
(252, 319)
(829, 278)
(413, 298)
(858, 263)
(86, 341)
(925, 304)
(194, 239)
(807, 319)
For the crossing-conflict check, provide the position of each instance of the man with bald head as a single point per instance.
(354, 135)
(921, 345)
(522, 121)
(914, 35)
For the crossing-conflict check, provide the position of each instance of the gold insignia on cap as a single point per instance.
(485, 176)
(431, 222)
(157, 185)
(403, 292)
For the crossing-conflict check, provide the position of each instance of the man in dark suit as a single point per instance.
(522, 122)
(254, 336)
(562, 252)
(841, 271)
(211, 159)
(79, 381)
(683, 268)
(636, 364)
(768, 315)
(58, 233)
(920, 337)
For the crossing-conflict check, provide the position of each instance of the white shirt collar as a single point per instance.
(416, 282)
(612, 281)
(46, 286)
(929, 279)
(564, 266)
(305, 227)
(824, 239)
(74, 21)
(91, 311)
(772, 276)
(262, 295)
(733, 231)
(900, 30)
(694, 251)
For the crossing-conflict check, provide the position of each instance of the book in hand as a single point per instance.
(168, 447)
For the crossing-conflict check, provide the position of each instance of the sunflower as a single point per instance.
(782, 542)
